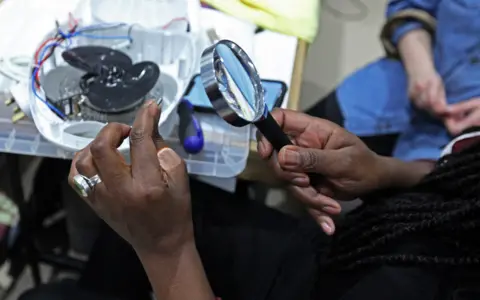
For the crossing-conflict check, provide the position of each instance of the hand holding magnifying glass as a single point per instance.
(234, 89)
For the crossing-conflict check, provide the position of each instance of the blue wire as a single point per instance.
(104, 37)
(34, 75)
(68, 37)
(79, 32)
(101, 26)
(63, 34)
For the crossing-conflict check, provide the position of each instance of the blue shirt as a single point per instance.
(374, 99)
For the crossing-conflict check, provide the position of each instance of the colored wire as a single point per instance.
(72, 22)
(35, 75)
(41, 55)
(50, 44)
(37, 53)
(40, 62)
(102, 37)
(174, 21)
(102, 26)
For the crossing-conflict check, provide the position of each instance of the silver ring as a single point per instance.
(84, 185)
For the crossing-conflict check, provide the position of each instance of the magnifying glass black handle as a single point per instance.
(273, 132)
(275, 135)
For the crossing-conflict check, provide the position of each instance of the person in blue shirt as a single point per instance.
(427, 91)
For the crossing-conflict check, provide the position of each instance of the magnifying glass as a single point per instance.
(234, 88)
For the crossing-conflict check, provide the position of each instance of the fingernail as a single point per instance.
(327, 228)
(300, 180)
(331, 210)
(168, 159)
(291, 158)
(148, 103)
(261, 146)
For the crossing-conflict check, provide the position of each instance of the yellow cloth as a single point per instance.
(293, 17)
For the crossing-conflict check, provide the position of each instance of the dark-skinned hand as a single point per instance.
(146, 202)
(345, 166)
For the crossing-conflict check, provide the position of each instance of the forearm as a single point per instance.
(177, 276)
(399, 174)
(415, 49)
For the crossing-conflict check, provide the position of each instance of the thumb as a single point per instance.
(306, 160)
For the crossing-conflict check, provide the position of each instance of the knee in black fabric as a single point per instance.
(467, 294)
(114, 269)
(65, 290)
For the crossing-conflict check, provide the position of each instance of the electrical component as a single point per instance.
(100, 84)
(46, 50)
(83, 76)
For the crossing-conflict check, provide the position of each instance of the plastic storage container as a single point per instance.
(226, 148)
(225, 153)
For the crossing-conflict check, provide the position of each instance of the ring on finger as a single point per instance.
(84, 185)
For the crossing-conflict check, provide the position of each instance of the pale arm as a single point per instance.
(413, 42)
(415, 49)
(177, 276)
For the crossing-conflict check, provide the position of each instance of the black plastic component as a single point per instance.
(112, 84)
(273, 132)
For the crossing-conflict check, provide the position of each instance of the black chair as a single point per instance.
(42, 237)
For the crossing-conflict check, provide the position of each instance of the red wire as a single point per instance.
(72, 22)
(37, 53)
(173, 21)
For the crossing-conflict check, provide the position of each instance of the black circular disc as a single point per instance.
(118, 94)
(96, 56)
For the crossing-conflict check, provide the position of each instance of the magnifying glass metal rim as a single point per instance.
(208, 75)
(263, 120)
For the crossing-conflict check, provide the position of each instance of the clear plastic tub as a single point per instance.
(175, 53)
(225, 153)
(226, 148)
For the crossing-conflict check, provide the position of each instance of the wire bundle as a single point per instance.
(47, 49)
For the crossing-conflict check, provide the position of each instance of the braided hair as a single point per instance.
(444, 206)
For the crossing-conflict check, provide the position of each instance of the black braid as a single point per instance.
(445, 206)
(406, 259)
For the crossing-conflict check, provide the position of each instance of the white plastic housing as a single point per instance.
(174, 52)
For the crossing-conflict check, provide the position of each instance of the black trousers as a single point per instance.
(248, 251)
(328, 108)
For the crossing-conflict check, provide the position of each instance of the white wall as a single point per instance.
(347, 39)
